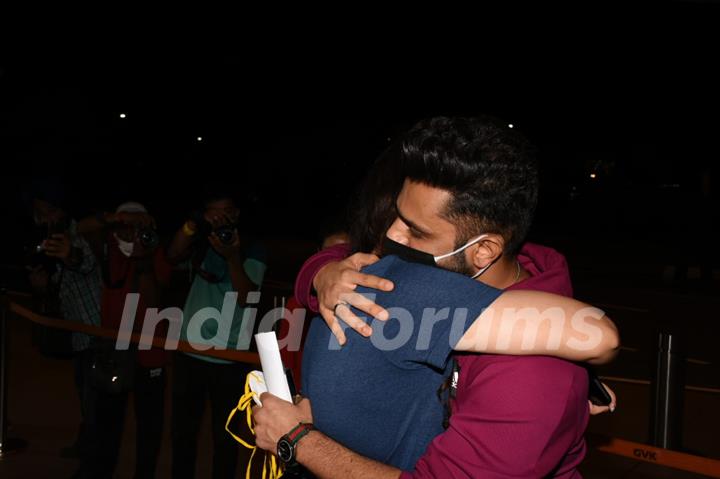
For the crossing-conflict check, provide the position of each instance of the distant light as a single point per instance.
(122, 115)
(593, 175)
(511, 125)
(199, 138)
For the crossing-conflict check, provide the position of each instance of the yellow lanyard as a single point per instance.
(271, 468)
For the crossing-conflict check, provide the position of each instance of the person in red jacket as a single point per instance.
(132, 261)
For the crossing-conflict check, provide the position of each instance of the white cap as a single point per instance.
(131, 207)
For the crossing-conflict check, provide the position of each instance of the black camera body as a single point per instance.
(35, 252)
(204, 228)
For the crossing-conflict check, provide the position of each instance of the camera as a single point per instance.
(35, 252)
(148, 237)
(225, 233)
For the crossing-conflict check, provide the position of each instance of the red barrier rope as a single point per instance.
(230, 355)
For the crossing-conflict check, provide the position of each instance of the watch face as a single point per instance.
(285, 450)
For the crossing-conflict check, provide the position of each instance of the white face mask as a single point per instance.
(125, 247)
(463, 248)
(416, 256)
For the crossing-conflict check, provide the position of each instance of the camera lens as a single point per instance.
(225, 234)
(148, 238)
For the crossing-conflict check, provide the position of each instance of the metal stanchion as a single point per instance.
(667, 393)
(7, 445)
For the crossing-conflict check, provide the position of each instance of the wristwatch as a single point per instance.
(287, 444)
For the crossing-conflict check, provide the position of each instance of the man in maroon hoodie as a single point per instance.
(515, 416)
(512, 416)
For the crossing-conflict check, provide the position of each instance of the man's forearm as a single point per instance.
(240, 281)
(328, 460)
(550, 325)
(179, 246)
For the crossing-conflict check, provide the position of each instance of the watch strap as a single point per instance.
(298, 432)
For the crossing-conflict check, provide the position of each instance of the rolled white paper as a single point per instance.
(272, 366)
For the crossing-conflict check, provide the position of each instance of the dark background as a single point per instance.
(628, 95)
(293, 116)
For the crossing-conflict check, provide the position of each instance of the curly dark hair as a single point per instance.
(488, 167)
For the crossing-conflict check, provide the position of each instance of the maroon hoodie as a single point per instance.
(515, 416)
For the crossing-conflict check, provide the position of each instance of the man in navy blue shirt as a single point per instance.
(390, 381)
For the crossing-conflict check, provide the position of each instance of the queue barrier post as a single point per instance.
(8, 445)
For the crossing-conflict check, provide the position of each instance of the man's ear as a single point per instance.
(487, 251)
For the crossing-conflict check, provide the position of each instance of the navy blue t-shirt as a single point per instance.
(378, 396)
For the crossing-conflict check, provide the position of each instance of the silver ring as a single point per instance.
(338, 304)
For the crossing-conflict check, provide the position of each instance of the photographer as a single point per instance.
(132, 262)
(65, 277)
(223, 262)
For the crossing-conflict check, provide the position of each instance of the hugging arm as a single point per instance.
(538, 323)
